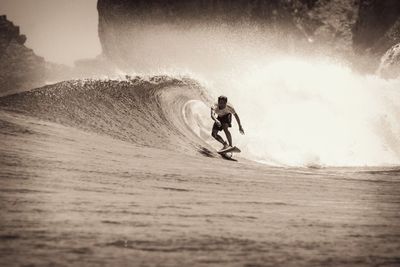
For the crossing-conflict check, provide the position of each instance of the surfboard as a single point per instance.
(228, 152)
(229, 149)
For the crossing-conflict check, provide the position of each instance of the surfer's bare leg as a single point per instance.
(218, 137)
(227, 133)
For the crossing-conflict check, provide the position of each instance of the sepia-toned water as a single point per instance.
(98, 184)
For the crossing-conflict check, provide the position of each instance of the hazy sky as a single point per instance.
(62, 31)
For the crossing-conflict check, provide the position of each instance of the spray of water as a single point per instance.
(297, 108)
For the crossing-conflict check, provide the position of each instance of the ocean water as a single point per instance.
(123, 172)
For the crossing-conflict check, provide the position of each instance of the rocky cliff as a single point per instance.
(20, 67)
(312, 22)
(376, 30)
(359, 30)
(378, 26)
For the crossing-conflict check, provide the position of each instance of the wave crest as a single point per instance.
(148, 112)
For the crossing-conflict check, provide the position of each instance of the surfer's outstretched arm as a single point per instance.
(240, 125)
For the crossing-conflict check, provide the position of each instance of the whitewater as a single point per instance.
(319, 113)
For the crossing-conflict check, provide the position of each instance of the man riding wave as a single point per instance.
(223, 120)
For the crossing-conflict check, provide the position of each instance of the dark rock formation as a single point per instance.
(377, 25)
(116, 17)
(20, 68)
(312, 23)
(360, 31)
(196, 11)
(376, 30)
(390, 63)
(331, 23)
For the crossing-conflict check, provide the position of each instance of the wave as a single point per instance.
(307, 123)
(151, 112)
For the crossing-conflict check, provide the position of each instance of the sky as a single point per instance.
(61, 31)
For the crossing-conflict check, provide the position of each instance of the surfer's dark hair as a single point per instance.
(222, 97)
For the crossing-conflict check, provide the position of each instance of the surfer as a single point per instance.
(224, 112)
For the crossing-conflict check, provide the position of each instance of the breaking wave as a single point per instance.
(148, 112)
(352, 121)
(299, 105)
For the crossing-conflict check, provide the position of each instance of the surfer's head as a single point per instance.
(222, 100)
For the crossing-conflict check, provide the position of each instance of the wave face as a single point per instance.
(149, 112)
(353, 121)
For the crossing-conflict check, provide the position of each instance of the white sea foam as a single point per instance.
(297, 108)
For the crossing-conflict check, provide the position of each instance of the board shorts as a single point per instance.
(226, 119)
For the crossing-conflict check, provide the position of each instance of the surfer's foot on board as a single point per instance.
(225, 146)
